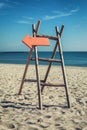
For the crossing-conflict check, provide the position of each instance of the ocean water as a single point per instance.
(70, 58)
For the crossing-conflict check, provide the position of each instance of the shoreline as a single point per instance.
(42, 65)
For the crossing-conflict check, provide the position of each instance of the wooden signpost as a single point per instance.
(43, 40)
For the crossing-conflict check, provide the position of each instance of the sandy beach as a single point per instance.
(20, 112)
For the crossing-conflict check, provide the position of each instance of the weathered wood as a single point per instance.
(37, 27)
(52, 85)
(63, 66)
(61, 31)
(48, 70)
(46, 36)
(25, 71)
(47, 60)
(37, 67)
(38, 78)
(52, 37)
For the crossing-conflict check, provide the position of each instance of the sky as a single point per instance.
(17, 17)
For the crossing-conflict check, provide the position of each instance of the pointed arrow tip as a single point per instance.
(26, 40)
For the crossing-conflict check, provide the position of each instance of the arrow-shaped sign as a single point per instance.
(35, 41)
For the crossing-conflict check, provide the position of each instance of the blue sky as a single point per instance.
(17, 17)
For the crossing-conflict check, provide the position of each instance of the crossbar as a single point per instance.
(52, 85)
(46, 36)
(47, 60)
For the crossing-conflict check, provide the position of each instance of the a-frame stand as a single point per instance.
(36, 59)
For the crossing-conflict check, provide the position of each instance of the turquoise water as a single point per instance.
(70, 58)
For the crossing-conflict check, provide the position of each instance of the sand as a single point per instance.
(22, 113)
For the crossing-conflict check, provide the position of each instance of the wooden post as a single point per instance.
(25, 71)
(37, 66)
(38, 78)
(62, 65)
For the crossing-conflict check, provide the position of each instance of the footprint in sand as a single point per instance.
(48, 116)
(7, 125)
(11, 126)
(28, 128)
(44, 125)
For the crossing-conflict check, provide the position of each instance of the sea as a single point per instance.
(70, 58)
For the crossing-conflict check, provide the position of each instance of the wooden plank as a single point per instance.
(46, 36)
(47, 60)
(61, 31)
(25, 71)
(38, 78)
(52, 85)
(37, 27)
(37, 68)
(63, 66)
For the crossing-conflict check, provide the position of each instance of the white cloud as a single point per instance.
(2, 5)
(23, 22)
(12, 2)
(7, 4)
(74, 10)
(58, 14)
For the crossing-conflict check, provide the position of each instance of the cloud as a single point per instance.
(7, 4)
(12, 2)
(2, 5)
(23, 22)
(58, 14)
(74, 10)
